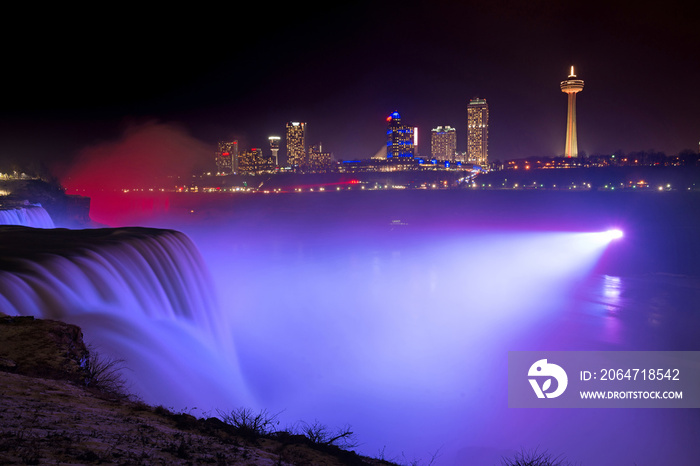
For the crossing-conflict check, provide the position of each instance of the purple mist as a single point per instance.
(394, 313)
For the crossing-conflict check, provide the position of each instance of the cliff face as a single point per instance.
(42, 348)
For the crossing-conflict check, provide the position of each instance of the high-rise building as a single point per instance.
(443, 143)
(274, 148)
(319, 161)
(227, 158)
(296, 145)
(400, 138)
(247, 162)
(571, 86)
(478, 132)
(254, 162)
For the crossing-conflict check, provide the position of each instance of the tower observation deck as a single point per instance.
(571, 86)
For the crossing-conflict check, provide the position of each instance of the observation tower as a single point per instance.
(571, 86)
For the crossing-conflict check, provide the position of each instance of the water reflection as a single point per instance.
(612, 291)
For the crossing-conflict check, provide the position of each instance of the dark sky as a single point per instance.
(76, 78)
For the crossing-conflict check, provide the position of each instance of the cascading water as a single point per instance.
(142, 295)
(29, 215)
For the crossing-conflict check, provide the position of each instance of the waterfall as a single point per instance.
(142, 295)
(29, 215)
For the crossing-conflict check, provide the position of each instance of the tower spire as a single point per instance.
(570, 87)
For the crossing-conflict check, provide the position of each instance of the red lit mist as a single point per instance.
(146, 155)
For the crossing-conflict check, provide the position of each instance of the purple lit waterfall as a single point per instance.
(142, 295)
(27, 215)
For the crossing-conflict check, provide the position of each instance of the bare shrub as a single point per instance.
(248, 423)
(535, 458)
(104, 374)
(320, 434)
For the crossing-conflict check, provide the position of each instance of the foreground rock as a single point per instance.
(42, 348)
(47, 416)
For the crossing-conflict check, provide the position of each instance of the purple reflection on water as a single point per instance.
(612, 290)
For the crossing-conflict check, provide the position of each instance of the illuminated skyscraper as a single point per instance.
(571, 86)
(274, 148)
(478, 132)
(227, 158)
(443, 143)
(399, 138)
(247, 161)
(296, 145)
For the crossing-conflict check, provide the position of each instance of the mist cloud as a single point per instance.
(147, 155)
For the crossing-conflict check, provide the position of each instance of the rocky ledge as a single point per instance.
(49, 414)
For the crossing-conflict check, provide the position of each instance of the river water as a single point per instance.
(394, 312)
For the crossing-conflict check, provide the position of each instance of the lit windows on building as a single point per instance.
(296, 144)
(226, 158)
(274, 148)
(443, 143)
(478, 132)
(247, 161)
(254, 162)
(319, 161)
(400, 138)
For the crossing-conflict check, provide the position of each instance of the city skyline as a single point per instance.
(329, 67)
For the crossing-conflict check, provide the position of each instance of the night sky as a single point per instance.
(78, 78)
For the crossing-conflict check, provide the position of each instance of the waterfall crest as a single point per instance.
(29, 215)
(143, 295)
